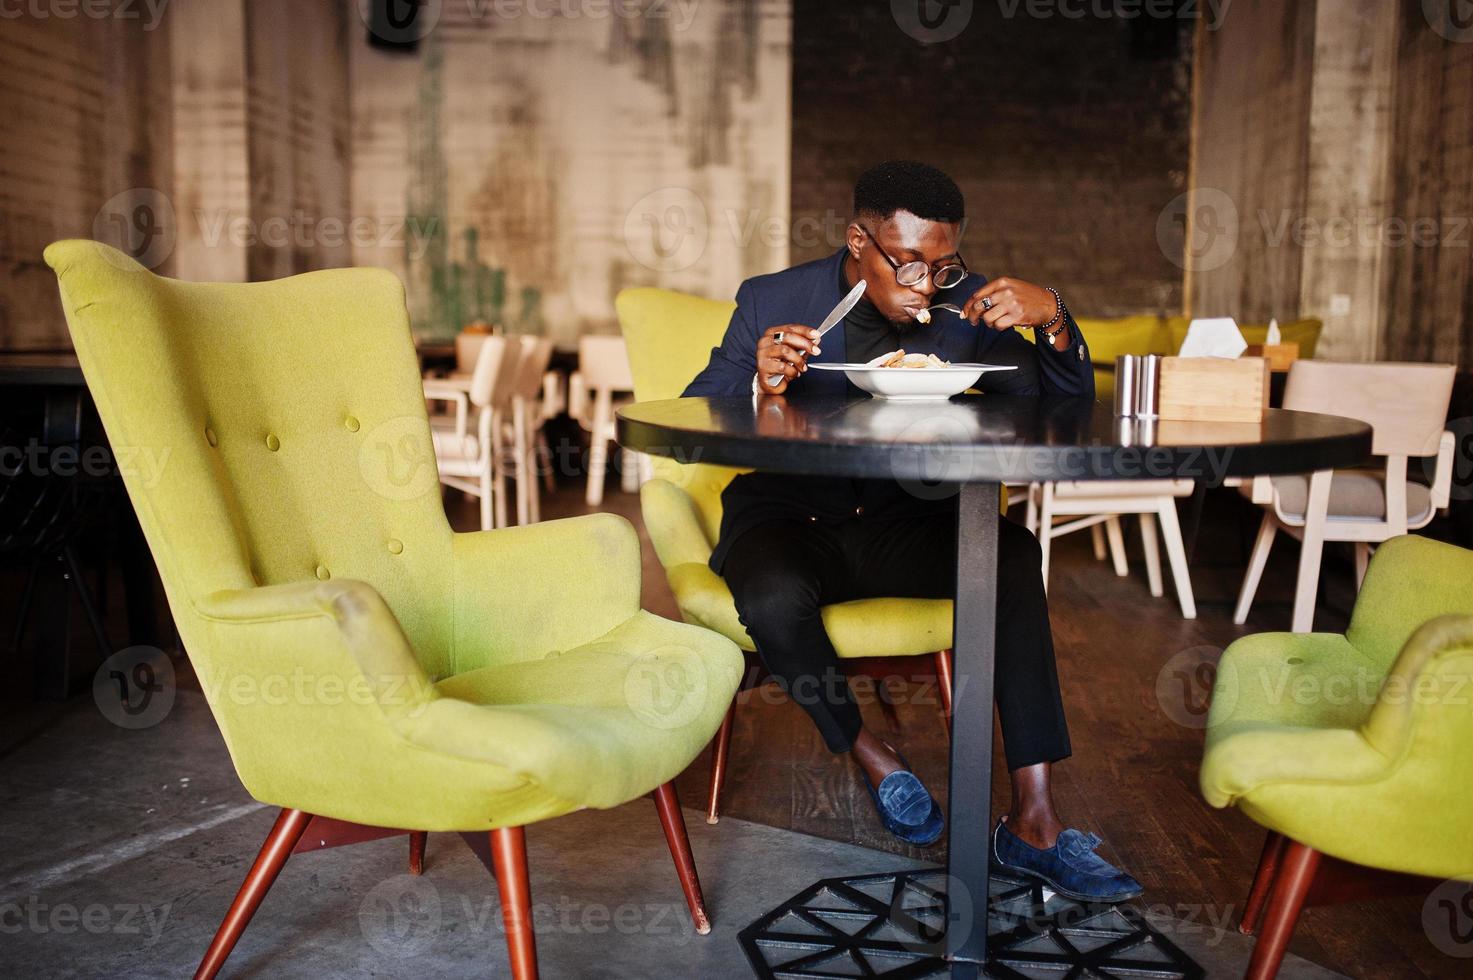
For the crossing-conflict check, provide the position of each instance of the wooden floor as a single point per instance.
(1133, 776)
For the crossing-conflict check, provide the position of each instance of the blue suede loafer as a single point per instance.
(906, 807)
(1071, 867)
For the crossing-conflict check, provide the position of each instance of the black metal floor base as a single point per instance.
(892, 926)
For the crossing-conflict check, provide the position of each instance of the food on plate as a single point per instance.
(900, 359)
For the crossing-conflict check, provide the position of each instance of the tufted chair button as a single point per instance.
(351, 423)
(396, 546)
(273, 443)
(323, 573)
(210, 436)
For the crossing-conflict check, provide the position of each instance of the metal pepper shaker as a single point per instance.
(1127, 379)
(1148, 387)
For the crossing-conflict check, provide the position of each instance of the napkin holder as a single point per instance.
(1214, 389)
(1279, 356)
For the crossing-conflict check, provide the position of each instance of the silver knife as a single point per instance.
(835, 315)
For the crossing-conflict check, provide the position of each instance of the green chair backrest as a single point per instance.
(1412, 580)
(287, 423)
(670, 336)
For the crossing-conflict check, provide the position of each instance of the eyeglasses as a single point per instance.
(915, 273)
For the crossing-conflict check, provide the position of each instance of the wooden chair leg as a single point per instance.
(1296, 873)
(509, 857)
(1263, 880)
(1116, 538)
(1097, 539)
(721, 752)
(417, 839)
(1046, 526)
(1176, 554)
(1362, 562)
(1151, 548)
(278, 847)
(943, 684)
(1311, 549)
(685, 864)
(1261, 547)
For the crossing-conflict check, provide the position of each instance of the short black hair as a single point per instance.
(905, 185)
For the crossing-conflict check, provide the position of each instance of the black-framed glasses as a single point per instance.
(915, 273)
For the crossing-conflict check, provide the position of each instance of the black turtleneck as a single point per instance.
(867, 333)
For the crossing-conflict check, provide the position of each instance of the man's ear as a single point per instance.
(854, 238)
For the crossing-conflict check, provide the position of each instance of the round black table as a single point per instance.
(968, 446)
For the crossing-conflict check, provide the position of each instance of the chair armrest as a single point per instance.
(1442, 475)
(314, 686)
(441, 390)
(338, 628)
(521, 592)
(673, 524)
(1250, 760)
(1425, 694)
(1428, 689)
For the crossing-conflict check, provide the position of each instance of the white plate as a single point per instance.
(914, 384)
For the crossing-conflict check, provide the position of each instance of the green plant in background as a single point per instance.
(448, 295)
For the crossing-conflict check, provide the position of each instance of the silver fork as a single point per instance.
(948, 307)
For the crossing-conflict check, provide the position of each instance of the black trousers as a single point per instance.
(782, 572)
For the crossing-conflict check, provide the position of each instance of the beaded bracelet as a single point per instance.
(1044, 330)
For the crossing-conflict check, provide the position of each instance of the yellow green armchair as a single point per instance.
(1353, 750)
(365, 663)
(670, 336)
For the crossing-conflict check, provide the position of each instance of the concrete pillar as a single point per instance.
(211, 172)
(1292, 147)
(1346, 200)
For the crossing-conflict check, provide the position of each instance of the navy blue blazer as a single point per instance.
(806, 293)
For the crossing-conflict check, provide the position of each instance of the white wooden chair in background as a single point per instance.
(524, 443)
(1406, 407)
(596, 390)
(1099, 504)
(467, 442)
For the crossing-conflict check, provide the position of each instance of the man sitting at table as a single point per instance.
(791, 544)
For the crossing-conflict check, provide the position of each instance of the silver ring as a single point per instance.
(777, 338)
(986, 303)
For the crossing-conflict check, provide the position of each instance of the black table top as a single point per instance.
(983, 438)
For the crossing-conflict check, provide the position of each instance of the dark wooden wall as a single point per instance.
(1067, 135)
